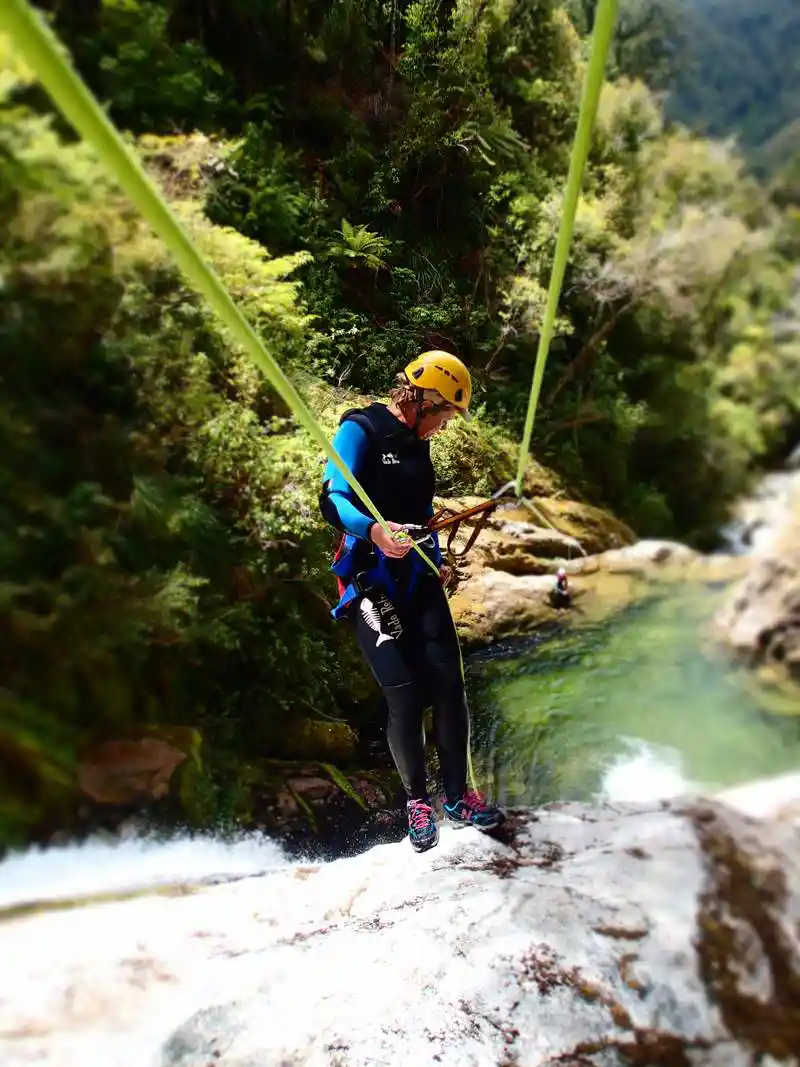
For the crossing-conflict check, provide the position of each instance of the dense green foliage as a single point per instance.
(417, 152)
(739, 75)
(384, 177)
(154, 557)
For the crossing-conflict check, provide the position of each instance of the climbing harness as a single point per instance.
(44, 53)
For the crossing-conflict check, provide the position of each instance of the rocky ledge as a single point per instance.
(665, 935)
(504, 588)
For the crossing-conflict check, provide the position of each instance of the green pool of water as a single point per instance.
(636, 707)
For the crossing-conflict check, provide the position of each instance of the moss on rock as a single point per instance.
(319, 739)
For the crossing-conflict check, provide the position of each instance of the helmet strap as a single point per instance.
(418, 402)
(434, 409)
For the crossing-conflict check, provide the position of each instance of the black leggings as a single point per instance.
(413, 653)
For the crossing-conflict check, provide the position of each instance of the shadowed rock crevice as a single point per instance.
(749, 926)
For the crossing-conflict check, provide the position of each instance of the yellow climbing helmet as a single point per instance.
(446, 374)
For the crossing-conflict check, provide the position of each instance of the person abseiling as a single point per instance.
(394, 600)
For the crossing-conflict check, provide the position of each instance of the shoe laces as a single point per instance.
(475, 800)
(419, 814)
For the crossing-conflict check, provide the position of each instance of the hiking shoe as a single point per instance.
(423, 833)
(472, 810)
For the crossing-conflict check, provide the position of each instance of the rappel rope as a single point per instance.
(43, 52)
(605, 19)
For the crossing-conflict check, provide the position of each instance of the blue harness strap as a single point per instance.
(352, 579)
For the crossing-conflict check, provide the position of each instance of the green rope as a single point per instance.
(605, 18)
(43, 52)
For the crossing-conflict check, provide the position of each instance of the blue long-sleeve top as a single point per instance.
(351, 442)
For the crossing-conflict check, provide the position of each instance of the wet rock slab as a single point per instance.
(663, 934)
(630, 936)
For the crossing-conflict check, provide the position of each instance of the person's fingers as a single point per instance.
(392, 548)
(401, 549)
(398, 550)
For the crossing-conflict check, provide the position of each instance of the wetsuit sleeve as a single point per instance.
(351, 443)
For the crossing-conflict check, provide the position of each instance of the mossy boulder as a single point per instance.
(319, 739)
(497, 606)
(518, 537)
(508, 541)
(135, 769)
(595, 530)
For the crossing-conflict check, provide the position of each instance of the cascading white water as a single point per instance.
(96, 868)
(757, 517)
(77, 871)
(642, 772)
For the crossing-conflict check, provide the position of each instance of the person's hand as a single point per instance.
(391, 548)
(445, 573)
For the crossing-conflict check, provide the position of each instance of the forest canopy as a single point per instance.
(738, 76)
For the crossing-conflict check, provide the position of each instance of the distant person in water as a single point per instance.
(393, 598)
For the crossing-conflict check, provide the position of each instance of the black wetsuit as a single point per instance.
(398, 608)
(418, 668)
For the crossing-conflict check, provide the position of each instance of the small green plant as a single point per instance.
(360, 245)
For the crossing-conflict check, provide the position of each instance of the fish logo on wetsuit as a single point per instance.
(372, 617)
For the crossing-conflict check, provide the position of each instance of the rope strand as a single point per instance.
(605, 19)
